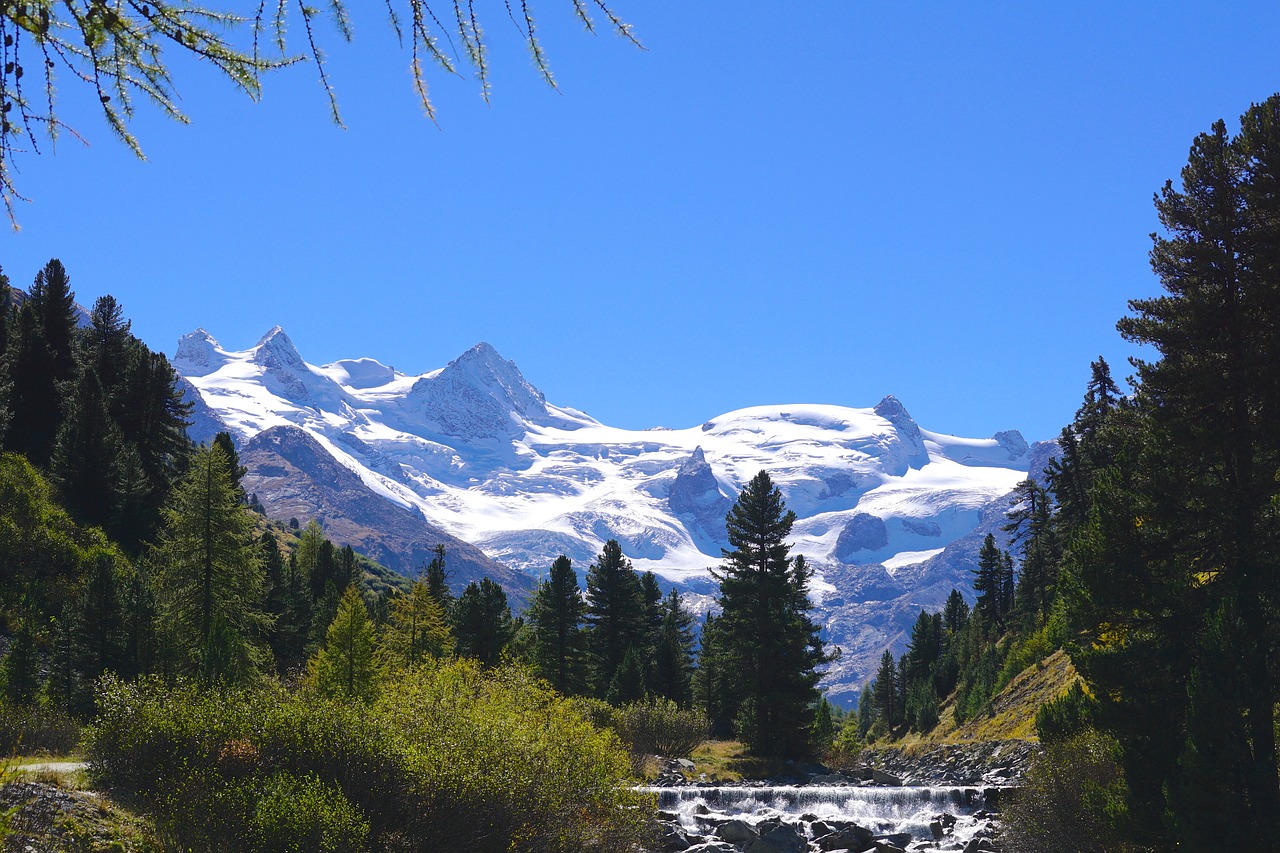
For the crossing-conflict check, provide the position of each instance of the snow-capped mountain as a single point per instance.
(476, 450)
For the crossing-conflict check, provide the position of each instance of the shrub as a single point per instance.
(448, 758)
(1070, 800)
(661, 727)
(36, 728)
(295, 815)
(1065, 717)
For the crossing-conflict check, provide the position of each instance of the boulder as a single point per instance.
(852, 837)
(736, 832)
(778, 838)
(713, 847)
(883, 777)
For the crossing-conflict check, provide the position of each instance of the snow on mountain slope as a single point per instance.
(479, 452)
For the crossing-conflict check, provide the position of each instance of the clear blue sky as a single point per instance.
(776, 202)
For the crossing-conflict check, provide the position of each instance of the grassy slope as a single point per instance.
(1013, 709)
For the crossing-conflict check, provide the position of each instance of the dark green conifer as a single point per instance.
(615, 614)
(482, 623)
(555, 617)
(770, 642)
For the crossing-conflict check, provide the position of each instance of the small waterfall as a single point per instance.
(883, 810)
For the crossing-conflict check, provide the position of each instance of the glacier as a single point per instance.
(887, 511)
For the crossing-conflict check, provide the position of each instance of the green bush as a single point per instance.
(1065, 717)
(1070, 800)
(448, 758)
(36, 728)
(660, 727)
(295, 815)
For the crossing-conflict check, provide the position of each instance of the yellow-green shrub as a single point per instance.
(449, 757)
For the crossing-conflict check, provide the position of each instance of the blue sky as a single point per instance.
(774, 203)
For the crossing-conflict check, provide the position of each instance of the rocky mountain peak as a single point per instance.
(1012, 441)
(479, 395)
(276, 350)
(892, 410)
(197, 354)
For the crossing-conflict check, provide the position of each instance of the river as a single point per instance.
(911, 818)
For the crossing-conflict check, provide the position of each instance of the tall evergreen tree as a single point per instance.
(416, 629)
(86, 464)
(344, 666)
(770, 641)
(234, 469)
(210, 582)
(615, 613)
(884, 692)
(482, 623)
(672, 667)
(988, 581)
(1177, 565)
(437, 578)
(555, 616)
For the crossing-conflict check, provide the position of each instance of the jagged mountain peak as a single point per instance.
(198, 354)
(892, 410)
(480, 396)
(275, 349)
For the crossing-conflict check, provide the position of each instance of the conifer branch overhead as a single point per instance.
(117, 49)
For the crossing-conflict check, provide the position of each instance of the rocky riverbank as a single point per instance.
(987, 763)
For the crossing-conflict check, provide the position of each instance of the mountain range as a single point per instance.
(473, 456)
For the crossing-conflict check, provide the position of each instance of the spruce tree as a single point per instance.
(1176, 564)
(86, 464)
(555, 617)
(615, 613)
(482, 623)
(770, 642)
(437, 578)
(672, 669)
(884, 692)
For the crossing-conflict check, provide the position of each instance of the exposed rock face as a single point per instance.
(696, 493)
(863, 532)
(1012, 441)
(294, 476)
(892, 410)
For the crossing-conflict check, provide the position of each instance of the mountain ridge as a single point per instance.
(475, 450)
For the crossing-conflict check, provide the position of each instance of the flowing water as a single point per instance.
(883, 810)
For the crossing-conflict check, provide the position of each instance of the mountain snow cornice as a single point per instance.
(478, 451)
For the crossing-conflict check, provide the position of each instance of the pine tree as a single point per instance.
(555, 616)
(345, 666)
(87, 456)
(1176, 564)
(234, 469)
(482, 623)
(615, 613)
(770, 642)
(885, 692)
(673, 658)
(210, 581)
(988, 581)
(438, 580)
(34, 397)
(416, 628)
